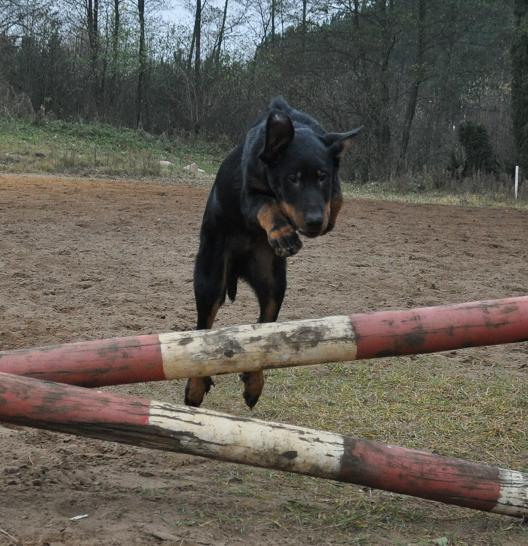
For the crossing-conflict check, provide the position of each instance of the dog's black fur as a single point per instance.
(282, 181)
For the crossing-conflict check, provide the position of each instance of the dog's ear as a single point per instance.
(279, 103)
(279, 133)
(339, 143)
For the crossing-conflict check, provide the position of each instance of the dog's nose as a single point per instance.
(314, 222)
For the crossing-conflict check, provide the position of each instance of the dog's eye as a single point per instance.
(293, 178)
(322, 177)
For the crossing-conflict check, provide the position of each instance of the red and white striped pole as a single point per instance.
(274, 345)
(137, 421)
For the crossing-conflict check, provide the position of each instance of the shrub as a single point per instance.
(478, 153)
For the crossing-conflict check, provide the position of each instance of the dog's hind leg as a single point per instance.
(266, 274)
(210, 292)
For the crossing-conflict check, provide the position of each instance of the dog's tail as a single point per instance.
(232, 282)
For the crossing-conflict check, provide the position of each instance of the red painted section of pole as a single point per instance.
(420, 474)
(90, 363)
(24, 400)
(432, 329)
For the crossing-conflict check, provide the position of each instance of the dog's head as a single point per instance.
(301, 167)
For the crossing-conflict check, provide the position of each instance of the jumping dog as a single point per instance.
(282, 181)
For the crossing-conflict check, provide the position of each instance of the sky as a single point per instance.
(177, 13)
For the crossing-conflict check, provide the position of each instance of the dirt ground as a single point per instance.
(85, 259)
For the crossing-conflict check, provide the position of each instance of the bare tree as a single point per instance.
(273, 14)
(304, 27)
(519, 52)
(197, 66)
(140, 99)
(116, 29)
(221, 32)
(92, 23)
(388, 41)
(19, 13)
(419, 71)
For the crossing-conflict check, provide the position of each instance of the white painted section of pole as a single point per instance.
(257, 346)
(513, 498)
(258, 443)
(516, 181)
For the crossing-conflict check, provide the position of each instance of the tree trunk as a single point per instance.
(361, 67)
(191, 50)
(384, 129)
(115, 50)
(140, 98)
(415, 87)
(304, 29)
(92, 20)
(519, 54)
(221, 35)
(197, 66)
(273, 12)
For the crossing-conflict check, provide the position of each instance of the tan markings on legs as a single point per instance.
(197, 387)
(278, 233)
(292, 213)
(212, 314)
(270, 312)
(254, 381)
(195, 390)
(278, 228)
(253, 385)
(269, 217)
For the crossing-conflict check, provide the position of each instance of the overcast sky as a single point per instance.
(176, 13)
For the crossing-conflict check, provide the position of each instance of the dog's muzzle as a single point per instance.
(313, 225)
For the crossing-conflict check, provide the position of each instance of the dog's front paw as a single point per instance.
(285, 241)
(195, 390)
(253, 385)
(329, 228)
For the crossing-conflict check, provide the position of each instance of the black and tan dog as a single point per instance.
(282, 181)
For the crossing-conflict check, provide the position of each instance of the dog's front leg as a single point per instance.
(282, 236)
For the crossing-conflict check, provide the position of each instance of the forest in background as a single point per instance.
(421, 75)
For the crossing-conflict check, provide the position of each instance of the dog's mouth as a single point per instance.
(308, 233)
(311, 233)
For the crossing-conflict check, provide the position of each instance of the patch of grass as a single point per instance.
(97, 149)
(423, 402)
(386, 192)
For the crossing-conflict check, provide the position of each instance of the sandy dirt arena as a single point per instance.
(87, 259)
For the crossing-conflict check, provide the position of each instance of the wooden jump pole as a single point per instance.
(275, 345)
(141, 422)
